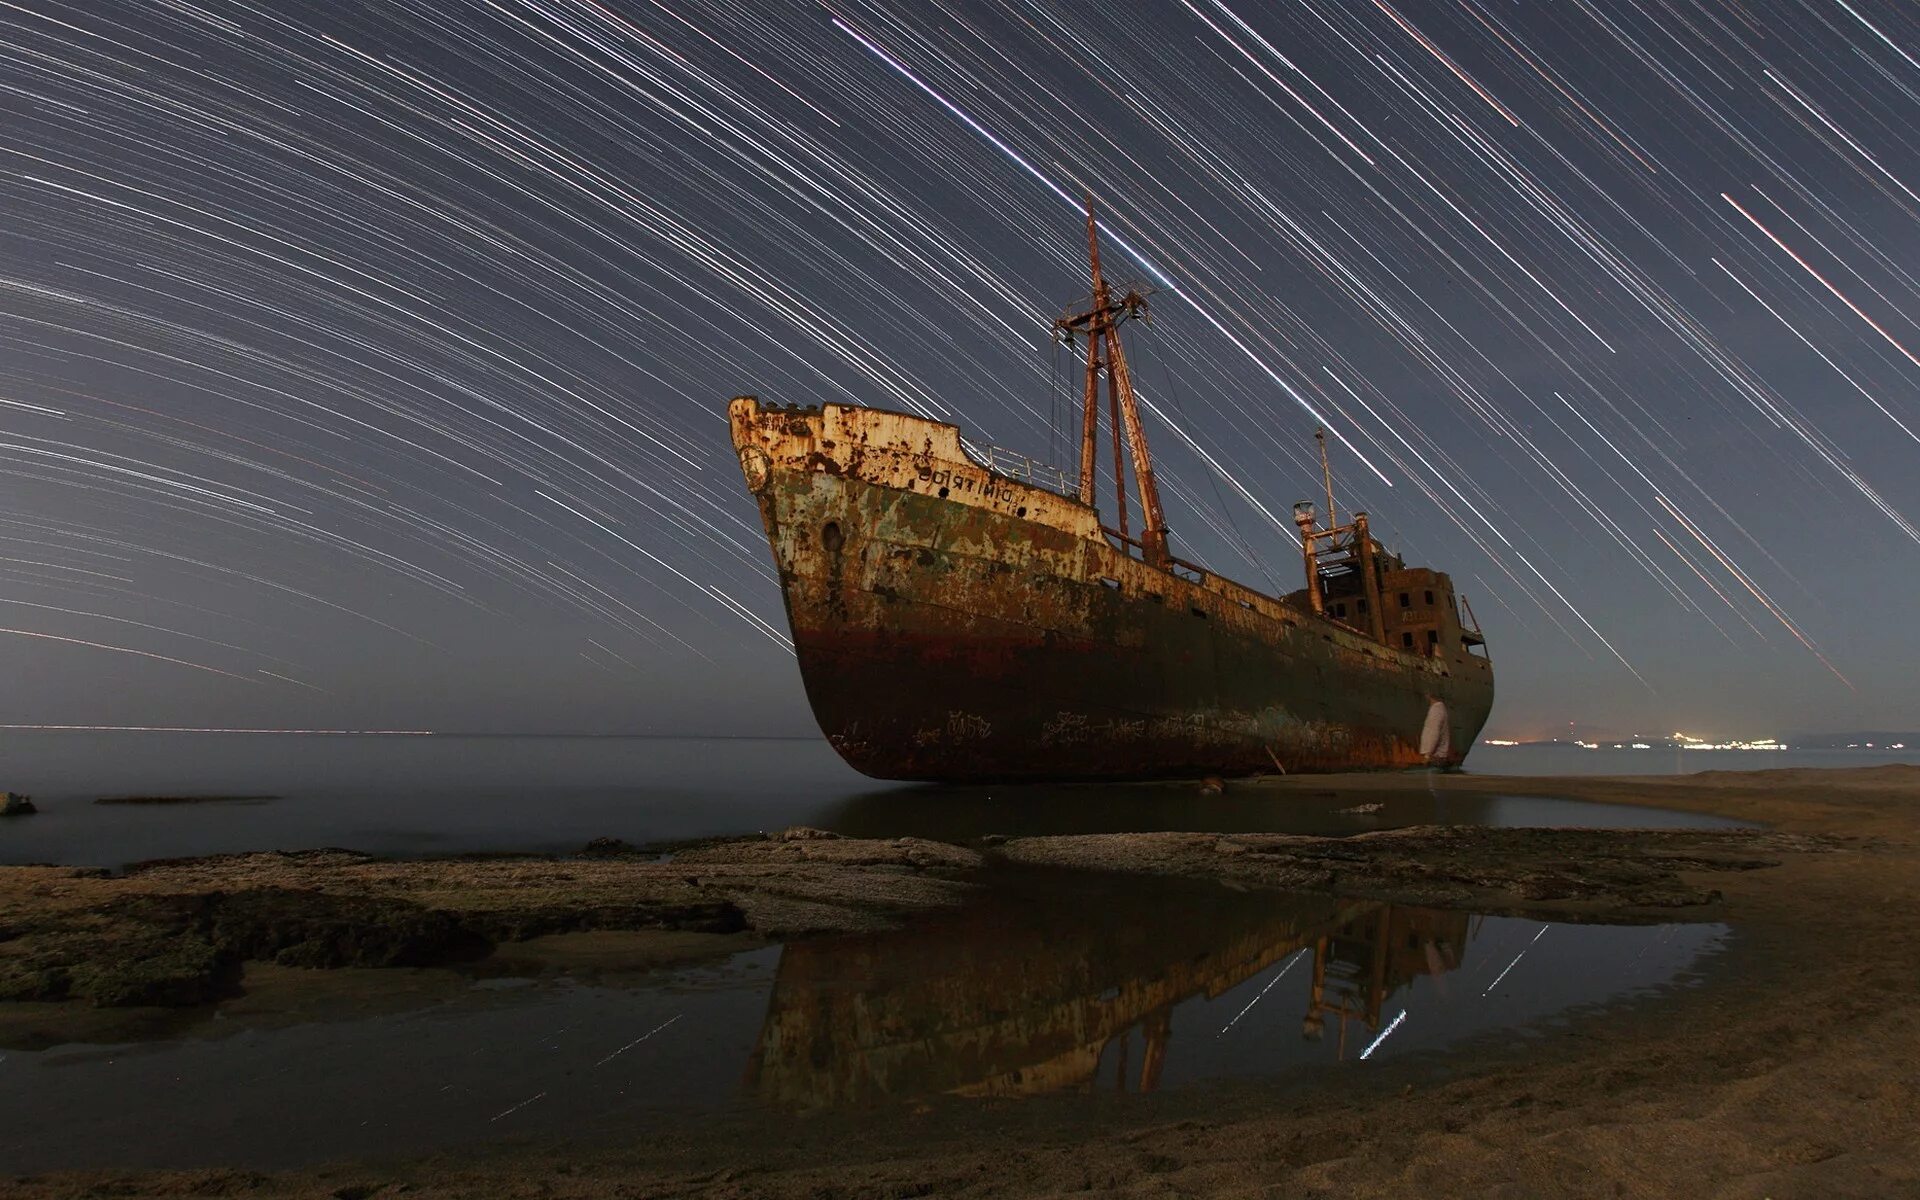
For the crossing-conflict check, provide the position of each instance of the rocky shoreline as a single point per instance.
(178, 932)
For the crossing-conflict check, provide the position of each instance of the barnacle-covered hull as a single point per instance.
(954, 623)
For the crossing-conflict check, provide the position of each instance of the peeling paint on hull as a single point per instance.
(954, 624)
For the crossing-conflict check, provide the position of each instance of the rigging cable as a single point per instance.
(1055, 395)
(1245, 547)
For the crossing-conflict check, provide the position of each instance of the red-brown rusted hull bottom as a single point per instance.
(966, 709)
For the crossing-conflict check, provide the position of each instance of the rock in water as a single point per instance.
(13, 804)
(805, 833)
(1362, 808)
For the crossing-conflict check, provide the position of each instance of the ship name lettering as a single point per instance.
(986, 486)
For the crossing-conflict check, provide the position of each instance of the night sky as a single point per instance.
(364, 365)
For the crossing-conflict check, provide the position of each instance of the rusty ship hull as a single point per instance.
(956, 623)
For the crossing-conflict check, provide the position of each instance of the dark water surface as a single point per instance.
(1053, 988)
(443, 795)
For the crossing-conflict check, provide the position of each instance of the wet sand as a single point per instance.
(1791, 1075)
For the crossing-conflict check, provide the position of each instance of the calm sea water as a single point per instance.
(449, 795)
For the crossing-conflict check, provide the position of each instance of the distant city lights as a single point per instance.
(1678, 741)
(1694, 743)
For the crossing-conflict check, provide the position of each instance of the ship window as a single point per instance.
(1111, 583)
(1429, 599)
(1198, 612)
(1339, 610)
(831, 538)
(1361, 604)
(1433, 641)
(1406, 639)
(1406, 600)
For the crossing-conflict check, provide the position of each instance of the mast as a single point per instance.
(1090, 424)
(1119, 465)
(1326, 475)
(1101, 324)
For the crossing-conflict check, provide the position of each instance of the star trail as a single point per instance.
(365, 364)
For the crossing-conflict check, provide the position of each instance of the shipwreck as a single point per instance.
(964, 615)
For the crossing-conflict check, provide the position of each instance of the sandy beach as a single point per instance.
(1790, 1074)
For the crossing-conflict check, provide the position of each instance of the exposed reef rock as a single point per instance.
(176, 932)
(1543, 873)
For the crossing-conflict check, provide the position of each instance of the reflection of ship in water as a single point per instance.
(1361, 962)
(1027, 990)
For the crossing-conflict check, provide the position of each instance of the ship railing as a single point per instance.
(1470, 633)
(1193, 572)
(1015, 465)
(1246, 597)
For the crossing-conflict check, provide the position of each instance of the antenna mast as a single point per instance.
(1326, 475)
(1101, 324)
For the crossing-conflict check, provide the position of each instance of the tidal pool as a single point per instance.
(1074, 987)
